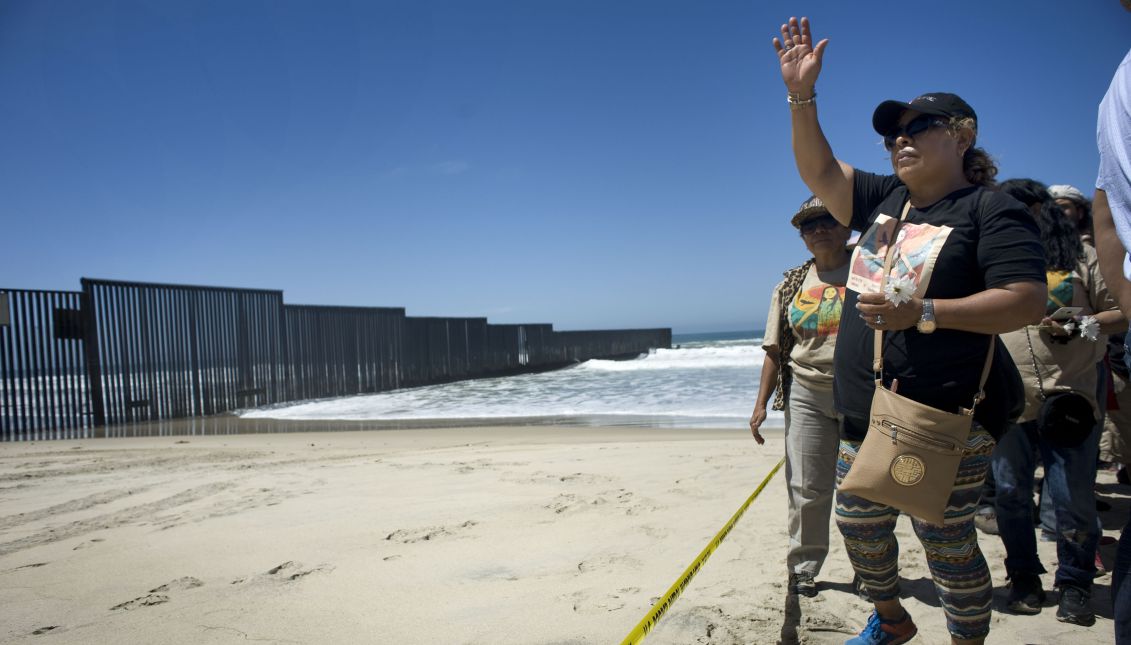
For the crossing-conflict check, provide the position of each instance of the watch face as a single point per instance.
(926, 326)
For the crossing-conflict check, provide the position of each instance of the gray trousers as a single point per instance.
(812, 439)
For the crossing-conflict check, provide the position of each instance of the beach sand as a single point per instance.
(539, 534)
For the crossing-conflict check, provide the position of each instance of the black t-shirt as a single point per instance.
(971, 240)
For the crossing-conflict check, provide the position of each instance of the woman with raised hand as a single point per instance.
(970, 265)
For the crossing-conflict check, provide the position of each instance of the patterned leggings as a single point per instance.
(961, 576)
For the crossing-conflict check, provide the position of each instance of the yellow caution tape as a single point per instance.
(663, 604)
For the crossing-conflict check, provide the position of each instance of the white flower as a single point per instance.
(1089, 328)
(899, 289)
(1069, 327)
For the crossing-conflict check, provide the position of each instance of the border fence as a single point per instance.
(77, 364)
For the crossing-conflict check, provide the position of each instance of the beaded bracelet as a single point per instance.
(796, 102)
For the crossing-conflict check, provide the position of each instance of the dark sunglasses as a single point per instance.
(914, 128)
(821, 222)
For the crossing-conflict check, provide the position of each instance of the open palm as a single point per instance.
(800, 59)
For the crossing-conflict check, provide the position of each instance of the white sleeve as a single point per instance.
(1113, 137)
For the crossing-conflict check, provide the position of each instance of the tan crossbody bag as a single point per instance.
(910, 456)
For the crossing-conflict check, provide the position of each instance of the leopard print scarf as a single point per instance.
(787, 291)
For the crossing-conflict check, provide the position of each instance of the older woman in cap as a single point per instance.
(798, 369)
(970, 266)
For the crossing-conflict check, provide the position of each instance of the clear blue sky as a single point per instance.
(592, 164)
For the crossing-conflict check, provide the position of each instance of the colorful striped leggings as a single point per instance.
(961, 576)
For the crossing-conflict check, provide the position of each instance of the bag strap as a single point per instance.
(877, 345)
(878, 341)
(1036, 370)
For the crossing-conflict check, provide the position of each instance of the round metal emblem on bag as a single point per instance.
(908, 470)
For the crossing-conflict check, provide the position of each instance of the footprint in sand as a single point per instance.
(608, 561)
(410, 536)
(88, 544)
(291, 570)
(144, 601)
(187, 582)
(543, 477)
(33, 565)
(286, 572)
(564, 502)
(156, 596)
(584, 604)
(584, 478)
(627, 500)
(827, 622)
(621, 498)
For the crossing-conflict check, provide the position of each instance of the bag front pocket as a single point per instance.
(899, 433)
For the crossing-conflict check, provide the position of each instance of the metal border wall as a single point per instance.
(100, 361)
(43, 371)
(338, 351)
(169, 351)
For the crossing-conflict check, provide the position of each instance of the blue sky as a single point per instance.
(592, 164)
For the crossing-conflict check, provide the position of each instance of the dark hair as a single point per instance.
(1063, 248)
(1026, 191)
(977, 164)
(1084, 224)
(1059, 236)
(978, 167)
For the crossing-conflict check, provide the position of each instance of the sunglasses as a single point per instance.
(914, 128)
(822, 223)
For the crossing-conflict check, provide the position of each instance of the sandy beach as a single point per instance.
(520, 534)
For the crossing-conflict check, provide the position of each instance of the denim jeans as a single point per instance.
(1071, 477)
(1048, 513)
(1121, 577)
(1121, 588)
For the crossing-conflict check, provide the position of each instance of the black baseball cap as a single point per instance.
(886, 116)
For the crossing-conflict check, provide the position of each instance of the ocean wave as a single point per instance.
(717, 381)
(709, 357)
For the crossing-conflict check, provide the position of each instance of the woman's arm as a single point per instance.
(771, 365)
(993, 311)
(1111, 252)
(828, 178)
(1111, 321)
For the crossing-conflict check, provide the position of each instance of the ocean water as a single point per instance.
(707, 380)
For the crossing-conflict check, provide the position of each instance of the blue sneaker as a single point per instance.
(886, 632)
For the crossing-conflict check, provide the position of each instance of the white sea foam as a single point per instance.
(711, 383)
(709, 357)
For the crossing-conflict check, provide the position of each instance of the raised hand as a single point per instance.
(800, 59)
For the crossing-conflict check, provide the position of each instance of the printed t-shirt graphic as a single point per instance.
(917, 249)
(1061, 289)
(813, 318)
(816, 310)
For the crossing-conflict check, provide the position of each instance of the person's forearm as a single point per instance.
(811, 149)
(818, 167)
(769, 379)
(994, 311)
(1111, 253)
(1111, 322)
